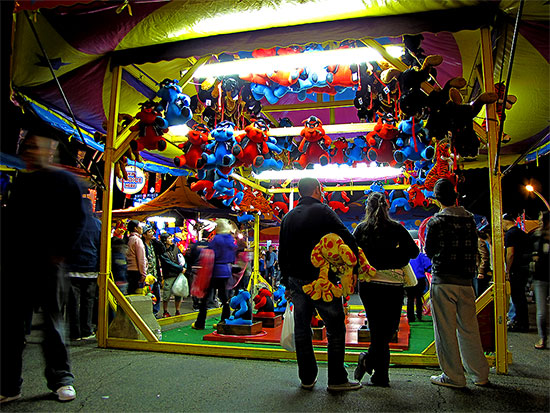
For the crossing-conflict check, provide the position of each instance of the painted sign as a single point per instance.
(135, 181)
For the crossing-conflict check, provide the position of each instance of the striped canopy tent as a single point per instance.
(157, 39)
(88, 43)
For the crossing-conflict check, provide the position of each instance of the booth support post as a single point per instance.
(500, 291)
(108, 176)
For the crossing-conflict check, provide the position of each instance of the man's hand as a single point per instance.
(288, 295)
(480, 276)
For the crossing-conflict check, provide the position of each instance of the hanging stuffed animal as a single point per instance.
(412, 99)
(151, 127)
(174, 103)
(444, 165)
(314, 144)
(337, 201)
(412, 142)
(218, 153)
(197, 138)
(398, 199)
(381, 140)
(338, 152)
(331, 253)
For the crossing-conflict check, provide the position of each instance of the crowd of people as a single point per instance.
(62, 276)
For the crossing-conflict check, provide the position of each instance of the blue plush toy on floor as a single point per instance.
(280, 299)
(243, 310)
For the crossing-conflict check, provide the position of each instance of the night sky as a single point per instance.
(515, 199)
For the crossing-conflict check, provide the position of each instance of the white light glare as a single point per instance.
(161, 220)
(179, 130)
(288, 63)
(333, 173)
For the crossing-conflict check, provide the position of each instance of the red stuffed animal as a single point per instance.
(338, 153)
(381, 140)
(194, 147)
(251, 147)
(151, 127)
(263, 303)
(314, 143)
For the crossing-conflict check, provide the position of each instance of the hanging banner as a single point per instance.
(135, 181)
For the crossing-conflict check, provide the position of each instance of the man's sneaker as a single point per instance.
(166, 314)
(349, 385)
(66, 393)
(6, 399)
(485, 383)
(309, 386)
(90, 337)
(177, 312)
(443, 380)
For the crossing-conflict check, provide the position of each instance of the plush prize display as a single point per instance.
(197, 138)
(337, 201)
(263, 303)
(412, 142)
(399, 199)
(219, 153)
(381, 140)
(338, 151)
(280, 299)
(256, 149)
(242, 314)
(151, 127)
(444, 165)
(174, 103)
(331, 253)
(314, 144)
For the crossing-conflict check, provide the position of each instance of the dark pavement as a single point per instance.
(134, 381)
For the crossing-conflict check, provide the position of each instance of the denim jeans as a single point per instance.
(47, 286)
(80, 306)
(541, 296)
(332, 314)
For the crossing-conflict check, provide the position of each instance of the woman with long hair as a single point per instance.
(388, 247)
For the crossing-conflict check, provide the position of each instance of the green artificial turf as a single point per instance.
(421, 336)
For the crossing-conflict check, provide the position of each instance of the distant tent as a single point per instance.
(179, 198)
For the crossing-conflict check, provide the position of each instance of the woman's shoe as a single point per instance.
(166, 314)
(177, 312)
(363, 366)
(541, 344)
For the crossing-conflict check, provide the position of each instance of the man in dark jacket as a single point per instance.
(451, 244)
(301, 229)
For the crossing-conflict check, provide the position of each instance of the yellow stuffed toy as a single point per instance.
(332, 253)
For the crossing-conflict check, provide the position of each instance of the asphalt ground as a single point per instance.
(134, 381)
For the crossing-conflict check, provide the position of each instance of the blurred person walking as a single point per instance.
(50, 199)
(135, 256)
(170, 270)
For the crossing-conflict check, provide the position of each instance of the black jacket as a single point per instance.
(301, 229)
(389, 248)
(169, 262)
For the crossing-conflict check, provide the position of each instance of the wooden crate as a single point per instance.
(270, 322)
(240, 330)
(319, 333)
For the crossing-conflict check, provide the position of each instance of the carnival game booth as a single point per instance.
(226, 94)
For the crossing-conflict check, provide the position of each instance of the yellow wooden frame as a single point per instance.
(115, 147)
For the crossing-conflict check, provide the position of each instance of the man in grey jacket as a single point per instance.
(451, 244)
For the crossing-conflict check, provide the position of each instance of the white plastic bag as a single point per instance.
(181, 286)
(287, 332)
(409, 277)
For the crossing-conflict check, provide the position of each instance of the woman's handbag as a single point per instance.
(409, 277)
(287, 332)
(181, 286)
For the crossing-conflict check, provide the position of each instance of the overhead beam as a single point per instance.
(307, 106)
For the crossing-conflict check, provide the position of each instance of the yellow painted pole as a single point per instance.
(500, 295)
(108, 176)
(256, 267)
